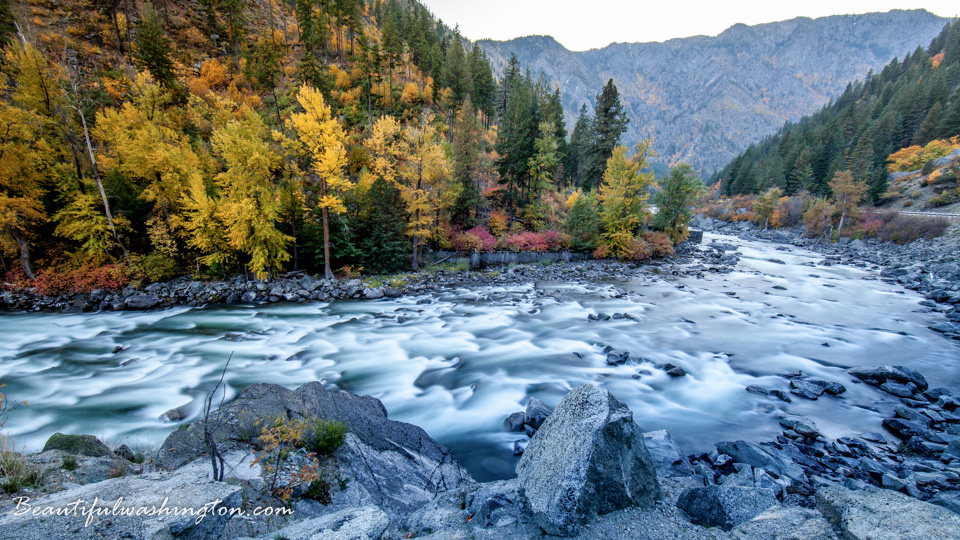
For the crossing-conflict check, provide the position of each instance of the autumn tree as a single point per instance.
(609, 124)
(424, 184)
(623, 198)
(847, 194)
(250, 208)
(322, 138)
(765, 204)
(678, 192)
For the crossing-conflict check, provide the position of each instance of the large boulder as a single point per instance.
(182, 494)
(725, 506)
(396, 465)
(77, 445)
(885, 514)
(587, 459)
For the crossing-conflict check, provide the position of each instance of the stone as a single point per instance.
(366, 522)
(393, 465)
(830, 387)
(77, 445)
(805, 389)
(803, 426)
(536, 412)
(587, 459)
(182, 490)
(248, 297)
(141, 301)
(900, 390)
(758, 456)
(786, 523)
(514, 422)
(666, 455)
(674, 371)
(725, 506)
(124, 452)
(885, 515)
(617, 357)
(947, 499)
(905, 428)
(898, 374)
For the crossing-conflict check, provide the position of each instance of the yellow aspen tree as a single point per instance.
(847, 194)
(422, 183)
(322, 138)
(387, 146)
(623, 199)
(250, 200)
(200, 224)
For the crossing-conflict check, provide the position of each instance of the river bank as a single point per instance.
(301, 287)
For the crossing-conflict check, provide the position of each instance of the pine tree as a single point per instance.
(456, 72)
(467, 138)
(583, 222)
(578, 153)
(152, 49)
(382, 244)
(677, 194)
(484, 87)
(609, 124)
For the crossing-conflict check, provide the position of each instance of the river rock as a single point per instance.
(805, 389)
(725, 506)
(248, 297)
(537, 411)
(758, 456)
(884, 514)
(141, 301)
(666, 455)
(394, 465)
(617, 357)
(587, 459)
(514, 422)
(182, 490)
(82, 445)
(674, 370)
(898, 374)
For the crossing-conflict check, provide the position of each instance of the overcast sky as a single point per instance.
(582, 25)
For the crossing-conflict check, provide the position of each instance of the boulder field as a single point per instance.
(588, 471)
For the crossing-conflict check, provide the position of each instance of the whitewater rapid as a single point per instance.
(458, 362)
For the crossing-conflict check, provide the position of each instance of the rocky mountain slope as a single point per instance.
(705, 99)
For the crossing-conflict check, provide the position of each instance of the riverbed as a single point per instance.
(458, 361)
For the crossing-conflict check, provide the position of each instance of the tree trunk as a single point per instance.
(296, 258)
(326, 245)
(24, 252)
(103, 193)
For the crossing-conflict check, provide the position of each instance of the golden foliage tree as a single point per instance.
(425, 183)
(250, 204)
(623, 199)
(322, 138)
(847, 194)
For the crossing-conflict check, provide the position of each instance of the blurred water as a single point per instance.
(459, 365)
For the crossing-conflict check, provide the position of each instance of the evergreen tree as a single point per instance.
(583, 222)
(609, 124)
(678, 192)
(467, 138)
(578, 153)
(153, 49)
(382, 245)
(484, 87)
(456, 72)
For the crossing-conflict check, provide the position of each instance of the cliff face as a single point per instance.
(705, 99)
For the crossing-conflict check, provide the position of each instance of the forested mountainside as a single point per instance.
(705, 99)
(143, 141)
(911, 102)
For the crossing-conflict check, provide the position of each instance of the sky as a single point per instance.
(583, 25)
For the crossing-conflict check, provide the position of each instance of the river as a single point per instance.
(458, 365)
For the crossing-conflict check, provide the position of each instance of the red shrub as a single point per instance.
(466, 242)
(81, 280)
(526, 241)
(488, 242)
(554, 239)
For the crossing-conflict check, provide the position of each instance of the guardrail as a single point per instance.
(933, 214)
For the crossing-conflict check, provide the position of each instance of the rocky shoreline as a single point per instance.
(300, 287)
(588, 471)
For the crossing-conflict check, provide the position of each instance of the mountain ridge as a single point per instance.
(705, 99)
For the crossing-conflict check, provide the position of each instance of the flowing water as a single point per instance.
(460, 364)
